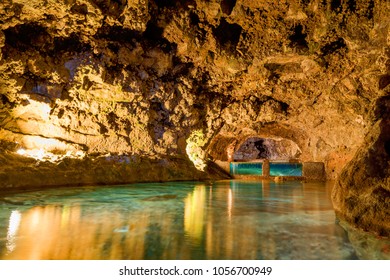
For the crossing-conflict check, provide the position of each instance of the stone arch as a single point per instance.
(278, 143)
(272, 148)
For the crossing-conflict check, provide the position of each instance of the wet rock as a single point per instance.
(367, 246)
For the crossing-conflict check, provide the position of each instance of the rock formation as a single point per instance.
(109, 91)
(362, 193)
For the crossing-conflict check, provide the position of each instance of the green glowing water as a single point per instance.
(256, 168)
(181, 220)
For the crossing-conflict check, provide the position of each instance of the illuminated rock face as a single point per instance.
(85, 81)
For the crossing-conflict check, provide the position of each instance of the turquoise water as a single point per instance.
(182, 220)
(246, 168)
(285, 169)
(256, 168)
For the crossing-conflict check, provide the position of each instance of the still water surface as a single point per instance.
(183, 220)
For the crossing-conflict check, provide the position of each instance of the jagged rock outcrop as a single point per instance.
(362, 193)
(85, 80)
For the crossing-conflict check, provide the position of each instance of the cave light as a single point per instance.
(42, 155)
(194, 149)
(34, 108)
(38, 154)
(36, 147)
(44, 109)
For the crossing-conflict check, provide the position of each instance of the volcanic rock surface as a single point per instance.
(109, 91)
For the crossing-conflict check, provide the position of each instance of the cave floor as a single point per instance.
(230, 219)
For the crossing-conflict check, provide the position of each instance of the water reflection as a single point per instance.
(194, 213)
(14, 221)
(222, 220)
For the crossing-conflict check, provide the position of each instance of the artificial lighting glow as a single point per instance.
(194, 149)
(38, 109)
(35, 153)
(45, 109)
(42, 155)
(13, 226)
(21, 152)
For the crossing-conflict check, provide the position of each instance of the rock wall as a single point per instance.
(362, 193)
(26, 173)
(87, 79)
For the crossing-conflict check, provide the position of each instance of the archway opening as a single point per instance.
(258, 148)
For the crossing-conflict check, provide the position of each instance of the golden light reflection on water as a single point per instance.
(230, 204)
(231, 221)
(13, 227)
(194, 212)
(61, 232)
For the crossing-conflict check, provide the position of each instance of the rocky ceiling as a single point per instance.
(109, 91)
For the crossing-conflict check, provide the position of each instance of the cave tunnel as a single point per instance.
(253, 148)
(262, 155)
(257, 148)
